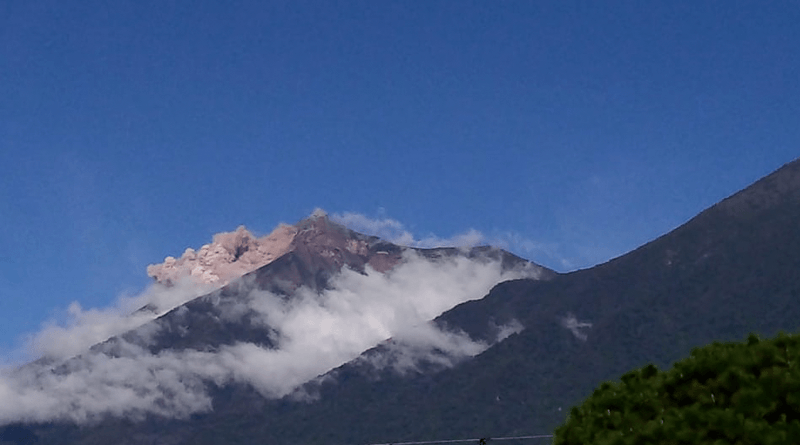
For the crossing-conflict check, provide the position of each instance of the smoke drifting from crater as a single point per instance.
(394, 231)
(314, 332)
(230, 255)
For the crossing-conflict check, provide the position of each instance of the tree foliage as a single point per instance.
(724, 393)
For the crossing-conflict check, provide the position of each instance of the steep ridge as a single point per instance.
(320, 249)
(729, 271)
(210, 331)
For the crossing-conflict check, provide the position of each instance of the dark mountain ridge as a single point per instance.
(321, 249)
(731, 270)
(319, 252)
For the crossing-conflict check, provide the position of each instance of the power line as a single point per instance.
(481, 440)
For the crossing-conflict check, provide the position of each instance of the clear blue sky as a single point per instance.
(131, 130)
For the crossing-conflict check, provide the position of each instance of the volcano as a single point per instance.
(312, 296)
(508, 362)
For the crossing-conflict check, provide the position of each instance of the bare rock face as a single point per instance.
(305, 254)
(310, 298)
(320, 249)
(318, 243)
(229, 256)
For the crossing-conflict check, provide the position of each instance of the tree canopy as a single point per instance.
(723, 393)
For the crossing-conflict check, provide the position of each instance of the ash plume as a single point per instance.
(311, 332)
(230, 255)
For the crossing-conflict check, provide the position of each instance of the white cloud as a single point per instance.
(315, 332)
(86, 327)
(575, 326)
(393, 231)
(543, 253)
(426, 345)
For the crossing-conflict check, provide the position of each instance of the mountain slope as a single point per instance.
(333, 294)
(729, 271)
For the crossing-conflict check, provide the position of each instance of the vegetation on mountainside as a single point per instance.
(729, 271)
(724, 393)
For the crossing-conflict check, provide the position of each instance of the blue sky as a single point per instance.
(574, 130)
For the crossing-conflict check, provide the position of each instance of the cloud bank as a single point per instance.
(312, 333)
(86, 327)
(428, 346)
(393, 231)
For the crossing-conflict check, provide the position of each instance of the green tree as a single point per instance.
(723, 393)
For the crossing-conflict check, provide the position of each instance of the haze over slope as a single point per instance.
(317, 295)
(729, 271)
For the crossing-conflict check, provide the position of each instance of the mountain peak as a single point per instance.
(318, 213)
(318, 219)
(231, 255)
(780, 187)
